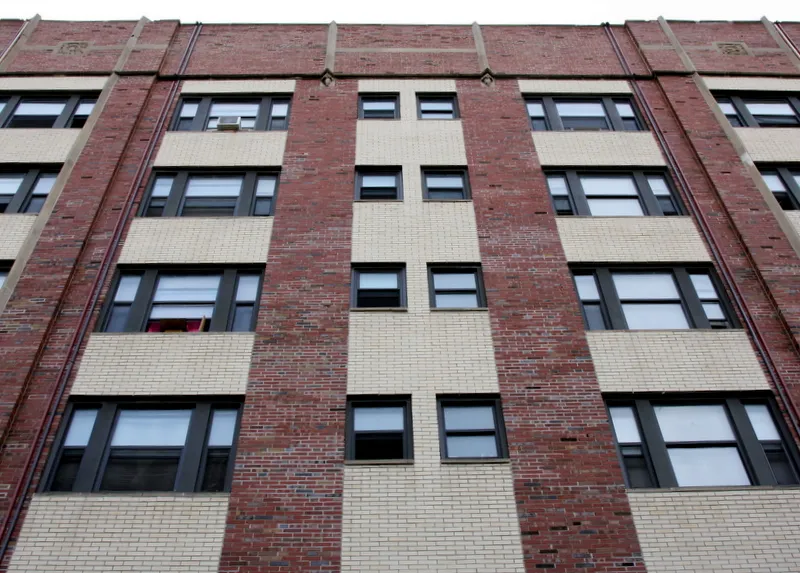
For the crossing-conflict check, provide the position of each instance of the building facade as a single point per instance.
(361, 298)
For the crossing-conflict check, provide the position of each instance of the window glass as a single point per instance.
(370, 280)
(266, 187)
(654, 316)
(44, 184)
(625, 427)
(587, 287)
(756, 108)
(214, 186)
(445, 182)
(708, 466)
(80, 428)
(280, 110)
(3, 277)
(615, 207)
(46, 109)
(594, 185)
(189, 109)
(151, 428)
(379, 181)
(234, 109)
(713, 311)
(580, 109)
(383, 418)
(85, 108)
(624, 109)
(642, 286)
(437, 106)
(10, 183)
(472, 447)
(193, 288)
(658, 184)
(456, 301)
(703, 285)
(128, 285)
(557, 185)
(223, 426)
(774, 182)
(387, 105)
(762, 422)
(727, 108)
(454, 281)
(469, 418)
(535, 109)
(697, 423)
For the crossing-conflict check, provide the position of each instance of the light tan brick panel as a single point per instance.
(123, 364)
(407, 90)
(52, 83)
(132, 533)
(794, 219)
(752, 84)
(602, 148)
(729, 531)
(765, 144)
(222, 149)
(210, 87)
(197, 240)
(429, 142)
(13, 231)
(36, 145)
(631, 239)
(675, 361)
(595, 87)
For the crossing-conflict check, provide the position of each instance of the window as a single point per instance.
(612, 194)
(378, 106)
(25, 191)
(584, 114)
(205, 194)
(456, 287)
(165, 300)
(785, 185)
(379, 428)
(471, 428)
(4, 270)
(379, 184)
(145, 446)
(445, 184)
(437, 106)
(253, 113)
(702, 442)
(46, 112)
(761, 110)
(379, 286)
(644, 299)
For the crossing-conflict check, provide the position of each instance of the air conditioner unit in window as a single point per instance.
(229, 123)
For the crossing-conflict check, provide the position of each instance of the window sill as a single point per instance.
(381, 309)
(377, 200)
(136, 493)
(447, 200)
(379, 462)
(450, 461)
(708, 488)
(460, 309)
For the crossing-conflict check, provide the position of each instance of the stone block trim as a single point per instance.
(631, 239)
(36, 145)
(145, 364)
(210, 87)
(765, 144)
(596, 87)
(604, 148)
(213, 149)
(752, 84)
(429, 142)
(200, 240)
(407, 90)
(13, 231)
(135, 533)
(675, 361)
(752, 530)
(52, 83)
(794, 219)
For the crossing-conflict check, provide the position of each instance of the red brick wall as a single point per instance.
(285, 510)
(568, 483)
(8, 31)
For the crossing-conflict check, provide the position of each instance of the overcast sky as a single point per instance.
(406, 11)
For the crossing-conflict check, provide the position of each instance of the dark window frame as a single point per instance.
(743, 115)
(654, 448)
(579, 201)
(175, 201)
(462, 172)
(378, 96)
(457, 268)
(140, 308)
(381, 400)
(194, 453)
(785, 173)
(64, 119)
(398, 268)
(492, 400)
(264, 119)
(611, 306)
(442, 96)
(22, 198)
(397, 171)
(614, 121)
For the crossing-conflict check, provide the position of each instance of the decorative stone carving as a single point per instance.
(73, 48)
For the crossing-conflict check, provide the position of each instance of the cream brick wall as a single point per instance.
(765, 144)
(597, 148)
(13, 231)
(52, 83)
(751, 530)
(130, 532)
(222, 149)
(408, 90)
(675, 361)
(597, 87)
(752, 84)
(210, 87)
(36, 145)
(429, 516)
(124, 364)
(631, 239)
(429, 142)
(794, 219)
(197, 240)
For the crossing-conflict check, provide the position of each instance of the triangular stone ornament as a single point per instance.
(487, 78)
(327, 78)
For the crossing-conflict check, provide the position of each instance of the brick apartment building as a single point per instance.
(376, 299)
